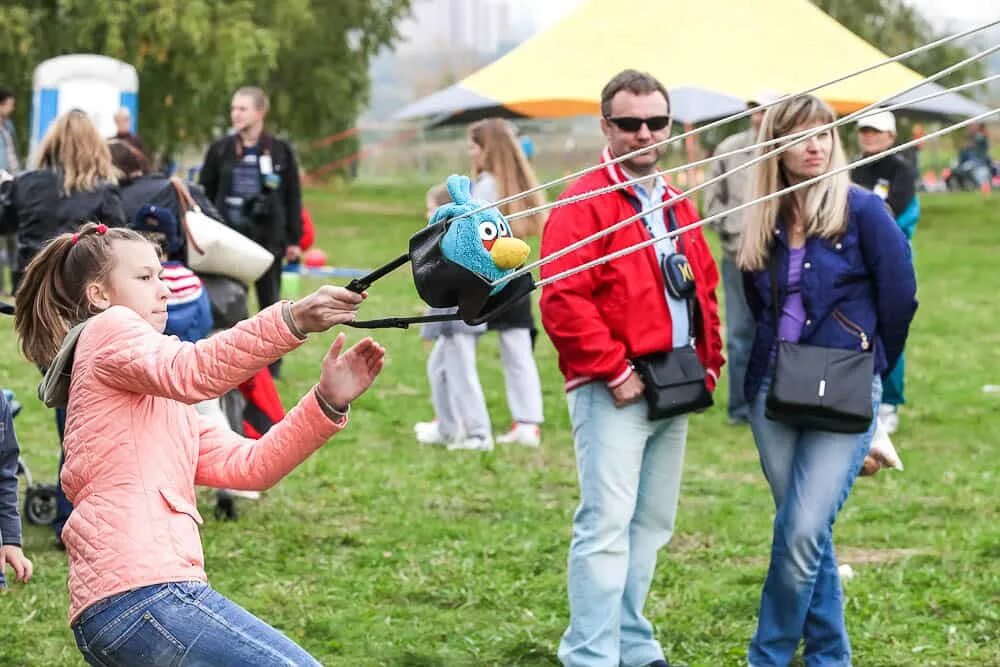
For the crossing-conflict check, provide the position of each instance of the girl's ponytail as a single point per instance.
(51, 297)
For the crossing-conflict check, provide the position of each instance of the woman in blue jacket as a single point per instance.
(844, 280)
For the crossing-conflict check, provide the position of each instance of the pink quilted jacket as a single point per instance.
(136, 447)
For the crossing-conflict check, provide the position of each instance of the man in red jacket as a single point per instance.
(599, 320)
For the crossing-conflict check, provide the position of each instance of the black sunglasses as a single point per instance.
(632, 124)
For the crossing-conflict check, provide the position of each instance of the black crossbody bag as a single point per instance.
(674, 380)
(821, 388)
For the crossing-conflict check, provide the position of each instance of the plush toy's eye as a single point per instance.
(488, 231)
(504, 229)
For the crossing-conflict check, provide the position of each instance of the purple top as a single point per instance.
(793, 312)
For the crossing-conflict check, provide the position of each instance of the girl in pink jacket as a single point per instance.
(93, 311)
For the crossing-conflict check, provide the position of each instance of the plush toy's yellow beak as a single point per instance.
(509, 253)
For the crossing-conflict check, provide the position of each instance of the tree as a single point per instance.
(321, 82)
(895, 27)
(311, 56)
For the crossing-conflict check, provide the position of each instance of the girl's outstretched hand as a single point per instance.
(326, 307)
(346, 376)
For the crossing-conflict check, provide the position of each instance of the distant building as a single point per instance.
(478, 26)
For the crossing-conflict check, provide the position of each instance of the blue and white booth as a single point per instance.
(98, 85)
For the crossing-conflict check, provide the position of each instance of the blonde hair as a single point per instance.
(822, 207)
(73, 147)
(51, 296)
(504, 159)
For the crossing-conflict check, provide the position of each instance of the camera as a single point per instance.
(259, 207)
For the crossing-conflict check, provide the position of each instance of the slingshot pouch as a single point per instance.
(442, 283)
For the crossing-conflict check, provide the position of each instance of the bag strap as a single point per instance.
(184, 195)
(187, 204)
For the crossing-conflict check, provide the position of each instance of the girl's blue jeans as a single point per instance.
(180, 624)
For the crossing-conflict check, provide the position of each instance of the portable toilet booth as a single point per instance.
(97, 85)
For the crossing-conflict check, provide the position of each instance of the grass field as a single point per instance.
(379, 552)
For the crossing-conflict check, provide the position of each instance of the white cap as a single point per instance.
(883, 121)
(764, 97)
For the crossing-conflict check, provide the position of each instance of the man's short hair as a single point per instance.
(635, 82)
(259, 97)
(5, 94)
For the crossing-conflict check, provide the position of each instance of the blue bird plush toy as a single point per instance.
(482, 243)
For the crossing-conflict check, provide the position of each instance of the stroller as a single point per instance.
(40, 507)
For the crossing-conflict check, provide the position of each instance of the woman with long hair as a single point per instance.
(71, 182)
(500, 169)
(825, 266)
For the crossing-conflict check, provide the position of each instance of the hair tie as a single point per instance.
(100, 229)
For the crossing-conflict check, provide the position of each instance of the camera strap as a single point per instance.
(676, 269)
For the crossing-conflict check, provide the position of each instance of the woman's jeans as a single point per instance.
(810, 474)
(184, 624)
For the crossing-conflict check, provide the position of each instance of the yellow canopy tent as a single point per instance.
(736, 48)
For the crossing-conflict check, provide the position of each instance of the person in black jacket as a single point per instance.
(894, 180)
(253, 179)
(141, 187)
(73, 183)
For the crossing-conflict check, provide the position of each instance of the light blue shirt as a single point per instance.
(657, 226)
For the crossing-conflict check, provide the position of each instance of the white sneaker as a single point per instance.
(425, 427)
(474, 442)
(888, 415)
(249, 495)
(430, 435)
(529, 435)
(882, 449)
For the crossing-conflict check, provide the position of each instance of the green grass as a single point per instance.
(379, 552)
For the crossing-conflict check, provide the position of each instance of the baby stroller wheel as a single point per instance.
(40, 505)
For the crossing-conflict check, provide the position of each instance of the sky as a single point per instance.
(944, 15)
(947, 15)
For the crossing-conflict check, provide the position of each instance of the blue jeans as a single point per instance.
(630, 474)
(739, 338)
(810, 474)
(180, 624)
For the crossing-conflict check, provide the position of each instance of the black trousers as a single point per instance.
(268, 286)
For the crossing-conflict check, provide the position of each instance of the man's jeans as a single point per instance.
(184, 623)
(810, 474)
(739, 338)
(630, 473)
